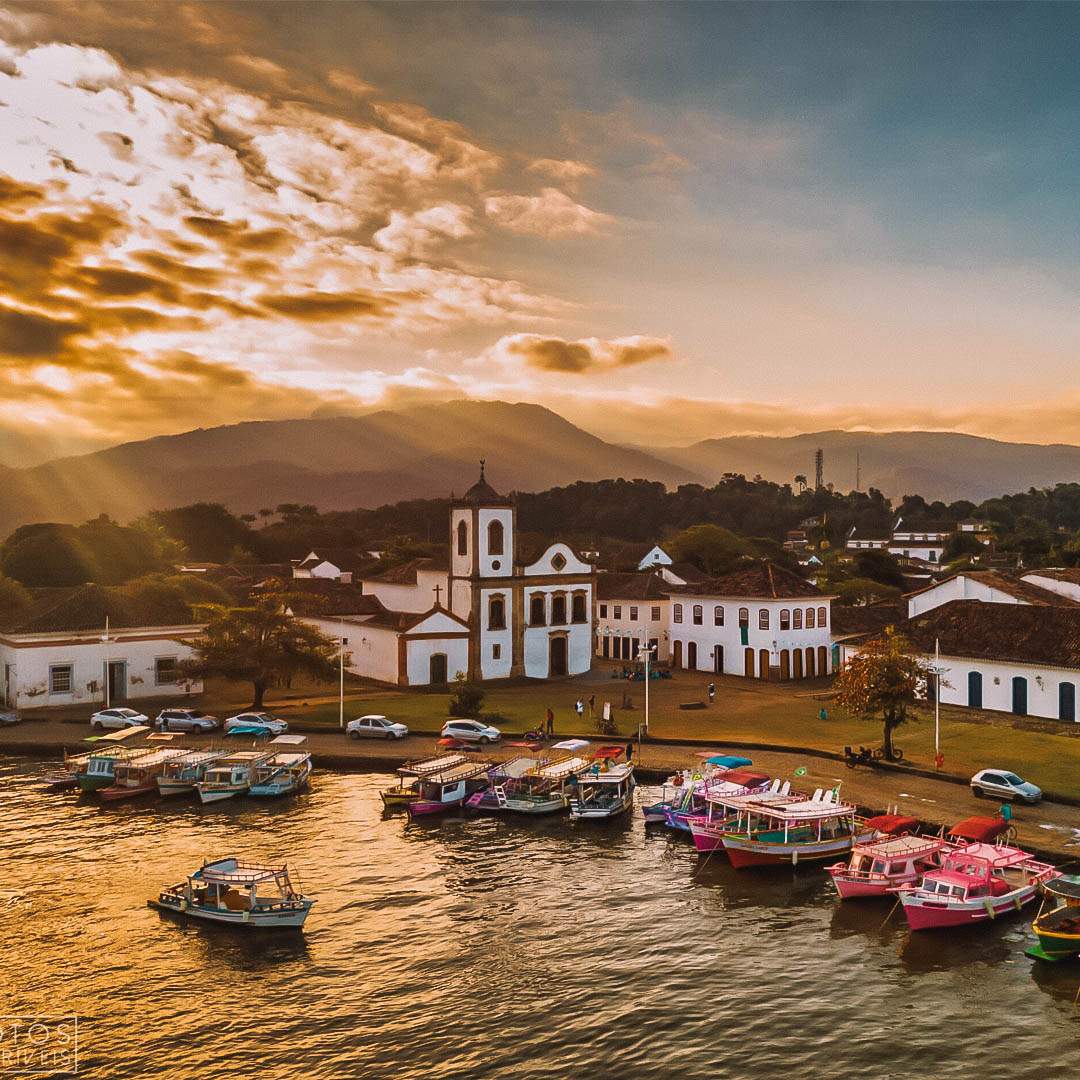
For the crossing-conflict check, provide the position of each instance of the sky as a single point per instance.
(665, 221)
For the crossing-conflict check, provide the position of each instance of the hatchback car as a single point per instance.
(375, 727)
(249, 722)
(117, 718)
(470, 731)
(1004, 785)
(185, 720)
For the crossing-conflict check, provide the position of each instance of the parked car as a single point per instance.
(9, 717)
(186, 720)
(470, 731)
(1004, 785)
(375, 727)
(247, 722)
(117, 718)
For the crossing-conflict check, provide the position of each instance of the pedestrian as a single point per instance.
(580, 706)
(629, 751)
(550, 722)
(592, 703)
(823, 715)
(712, 692)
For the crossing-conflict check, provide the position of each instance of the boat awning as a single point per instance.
(607, 753)
(570, 744)
(122, 735)
(980, 828)
(726, 761)
(745, 777)
(892, 824)
(1064, 886)
(288, 740)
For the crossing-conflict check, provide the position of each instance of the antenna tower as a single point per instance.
(819, 469)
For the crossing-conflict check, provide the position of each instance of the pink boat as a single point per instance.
(443, 791)
(888, 861)
(976, 883)
(722, 806)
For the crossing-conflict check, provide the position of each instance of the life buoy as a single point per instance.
(677, 780)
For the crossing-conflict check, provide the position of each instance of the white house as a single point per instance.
(632, 610)
(926, 542)
(59, 653)
(655, 556)
(1064, 582)
(759, 622)
(989, 586)
(334, 564)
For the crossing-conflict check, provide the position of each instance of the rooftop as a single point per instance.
(1010, 585)
(643, 585)
(482, 494)
(759, 579)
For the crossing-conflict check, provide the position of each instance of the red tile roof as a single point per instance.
(1010, 586)
(643, 585)
(760, 579)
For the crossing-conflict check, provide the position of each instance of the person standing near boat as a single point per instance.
(550, 719)
(580, 706)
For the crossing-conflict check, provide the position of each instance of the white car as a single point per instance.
(470, 731)
(1004, 785)
(117, 718)
(247, 722)
(375, 727)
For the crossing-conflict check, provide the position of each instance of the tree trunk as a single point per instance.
(890, 723)
(260, 689)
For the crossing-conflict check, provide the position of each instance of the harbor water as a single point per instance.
(489, 947)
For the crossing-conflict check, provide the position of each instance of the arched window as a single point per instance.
(462, 538)
(718, 616)
(785, 619)
(744, 616)
(821, 616)
(558, 610)
(537, 613)
(796, 619)
(496, 613)
(577, 608)
(676, 613)
(495, 538)
(698, 613)
(809, 618)
(763, 618)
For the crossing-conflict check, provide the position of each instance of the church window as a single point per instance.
(495, 538)
(718, 616)
(496, 613)
(537, 614)
(496, 652)
(676, 613)
(558, 561)
(821, 616)
(558, 610)
(462, 538)
(763, 618)
(785, 619)
(577, 613)
(796, 619)
(698, 614)
(633, 614)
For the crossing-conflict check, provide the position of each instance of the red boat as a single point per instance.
(138, 776)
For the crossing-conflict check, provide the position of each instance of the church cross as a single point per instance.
(481, 468)
(438, 593)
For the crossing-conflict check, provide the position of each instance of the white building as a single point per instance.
(633, 610)
(655, 556)
(990, 587)
(333, 564)
(58, 652)
(1064, 582)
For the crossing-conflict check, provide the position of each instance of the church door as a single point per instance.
(557, 656)
(437, 669)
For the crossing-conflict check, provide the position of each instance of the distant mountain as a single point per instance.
(422, 451)
(936, 465)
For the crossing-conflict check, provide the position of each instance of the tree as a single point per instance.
(14, 599)
(801, 481)
(879, 566)
(961, 544)
(264, 644)
(208, 530)
(884, 679)
(711, 548)
(859, 592)
(466, 698)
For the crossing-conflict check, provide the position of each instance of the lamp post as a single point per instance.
(105, 660)
(342, 642)
(646, 652)
(936, 669)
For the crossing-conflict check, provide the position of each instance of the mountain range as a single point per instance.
(431, 450)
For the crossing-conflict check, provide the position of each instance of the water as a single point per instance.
(485, 947)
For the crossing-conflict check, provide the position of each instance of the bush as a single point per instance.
(605, 727)
(466, 698)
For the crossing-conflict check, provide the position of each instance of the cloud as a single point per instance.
(326, 305)
(550, 214)
(420, 235)
(587, 356)
(566, 172)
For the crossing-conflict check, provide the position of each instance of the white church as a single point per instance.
(484, 611)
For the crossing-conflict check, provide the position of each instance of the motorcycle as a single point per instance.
(870, 755)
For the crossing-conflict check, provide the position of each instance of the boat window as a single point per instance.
(878, 867)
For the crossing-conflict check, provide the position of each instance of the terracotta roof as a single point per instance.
(342, 558)
(687, 571)
(1026, 591)
(643, 585)
(403, 621)
(760, 579)
(866, 619)
(1028, 635)
(406, 573)
(1070, 574)
(334, 597)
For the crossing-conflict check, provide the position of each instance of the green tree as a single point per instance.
(466, 698)
(264, 644)
(879, 566)
(858, 592)
(884, 680)
(711, 548)
(207, 530)
(961, 544)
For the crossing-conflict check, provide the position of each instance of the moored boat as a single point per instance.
(285, 773)
(1057, 926)
(890, 859)
(694, 804)
(99, 770)
(182, 773)
(237, 893)
(443, 791)
(721, 806)
(407, 789)
(975, 883)
(65, 778)
(230, 775)
(603, 792)
(139, 775)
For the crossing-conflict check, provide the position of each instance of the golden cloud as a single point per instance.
(582, 357)
(551, 214)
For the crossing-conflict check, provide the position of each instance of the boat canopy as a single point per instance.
(726, 761)
(1064, 886)
(612, 775)
(746, 777)
(431, 765)
(455, 775)
(607, 753)
(288, 740)
(570, 744)
(561, 769)
(514, 768)
(980, 828)
(901, 847)
(121, 735)
(892, 824)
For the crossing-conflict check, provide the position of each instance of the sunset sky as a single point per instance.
(665, 221)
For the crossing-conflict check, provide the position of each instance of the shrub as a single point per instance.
(466, 698)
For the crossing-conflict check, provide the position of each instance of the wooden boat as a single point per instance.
(504, 781)
(237, 893)
(605, 791)
(66, 777)
(442, 791)
(976, 883)
(231, 775)
(139, 775)
(407, 789)
(182, 773)
(893, 857)
(694, 799)
(543, 788)
(788, 834)
(285, 773)
(723, 803)
(99, 771)
(1057, 926)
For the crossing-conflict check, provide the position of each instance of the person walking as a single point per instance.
(629, 751)
(580, 706)
(550, 722)
(592, 704)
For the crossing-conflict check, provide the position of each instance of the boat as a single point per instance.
(722, 803)
(99, 770)
(792, 832)
(678, 816)
(139, 775)
(504, 782)
(542, 788)
(605, 791)
(1057, 926)
(231, 775)
(976, 882)
(286, 772)
(895, 856)
(182, 773)
(442, 791)
(66, 777)
(237, 893)
(407, 789)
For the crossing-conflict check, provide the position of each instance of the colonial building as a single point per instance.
(633, 610)
(990, 587)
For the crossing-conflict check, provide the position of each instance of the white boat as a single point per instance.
(231, 775)
(282, 775)
(236, 893)
(603, 793)
(180, 775)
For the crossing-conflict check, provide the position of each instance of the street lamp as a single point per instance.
(937, 670)
(342, 642)
(105, 660)
(646, 652)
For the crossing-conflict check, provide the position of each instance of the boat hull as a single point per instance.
(398, 798)
(600, 813)
(211, 795)
(421, 808)
(175, 787)
(860, 886)
(123, 791)
(744, 852)
(94, 783)
(1055, 946)
(290, 917)
(938, 915)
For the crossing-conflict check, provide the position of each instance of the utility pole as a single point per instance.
(858, 472)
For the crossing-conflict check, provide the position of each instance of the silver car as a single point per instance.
(470, 731)
(249, 720)
(375, 727)
(185, 720)
(1003, 784)
(117, 718)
